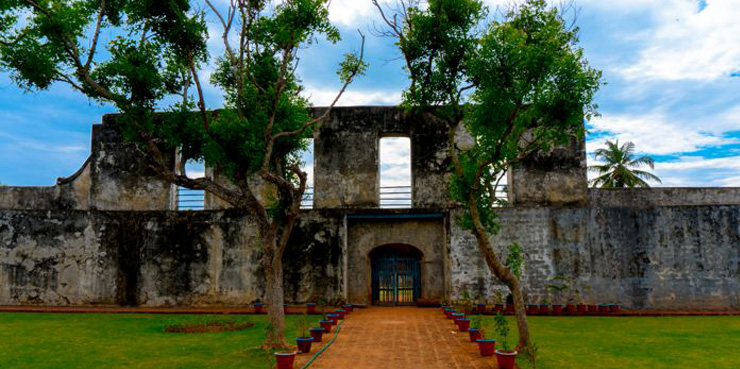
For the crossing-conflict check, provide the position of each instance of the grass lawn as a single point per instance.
(634, 342)
(31, 340)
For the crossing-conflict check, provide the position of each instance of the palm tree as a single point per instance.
(618, 168)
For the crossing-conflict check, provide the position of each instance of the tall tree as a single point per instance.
(618, 170)
(518, 85)
(157, 53)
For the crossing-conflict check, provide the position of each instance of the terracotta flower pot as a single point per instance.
(480, 307)
(463, 325)
(326, 324)
(304, 344)
(486, 346)
(317, 334)
(593, 308)
(603, 308)
(474, 334)
(310, 308)
(582, 308)
(285, 360)
(506, 360)
(259, 308)
(614, 308)
(571, 308)
(557, 308)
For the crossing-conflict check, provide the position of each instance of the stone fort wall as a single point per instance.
(109, 234)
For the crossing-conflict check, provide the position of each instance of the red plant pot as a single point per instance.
(481, 308)
(499, 307)
(334, 318)
(463, 325)
(486, 346)
(259, 308)
(557, 309)
(510, 308)
(593, 308)
(348, 307)
(506, 360)
(614, 308)
(544, 308)
(317, 334)
(285, 360)
(448, 313)
(474, 334)
(603, 308)
(582, 308)
(310, 308)
(531, 309)
(285, 308)
(457, 316)
(342, 313)
(571, 308)
(304, 344)
(326, 324)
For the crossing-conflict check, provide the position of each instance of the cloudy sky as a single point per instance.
(672, 68)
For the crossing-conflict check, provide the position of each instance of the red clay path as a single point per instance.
(401, 338)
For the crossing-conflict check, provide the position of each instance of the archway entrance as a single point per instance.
(396, 274)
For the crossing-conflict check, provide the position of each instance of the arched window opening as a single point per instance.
(306, 158)
(188, 199)
(395, 173)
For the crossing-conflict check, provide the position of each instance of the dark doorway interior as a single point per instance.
(396, 274)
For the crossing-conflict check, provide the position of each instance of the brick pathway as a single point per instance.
(401, 338)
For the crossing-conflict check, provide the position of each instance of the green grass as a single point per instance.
(634, 342)
(30, 340)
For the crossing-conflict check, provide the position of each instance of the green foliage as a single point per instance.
(519, 85)
(501, 325)
(617, 172)
(303, 325)
(515, 259)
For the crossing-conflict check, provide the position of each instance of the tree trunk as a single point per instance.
(274, 296)
(503, 273)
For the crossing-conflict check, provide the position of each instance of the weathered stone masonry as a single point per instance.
(109, 234)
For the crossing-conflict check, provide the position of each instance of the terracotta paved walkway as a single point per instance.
(401, 338)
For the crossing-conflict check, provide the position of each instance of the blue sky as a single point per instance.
(672, 68)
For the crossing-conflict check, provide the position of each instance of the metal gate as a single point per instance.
(396, 279)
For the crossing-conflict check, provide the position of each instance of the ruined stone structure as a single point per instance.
(110, 234)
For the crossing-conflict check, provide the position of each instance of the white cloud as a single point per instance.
(683, 43)
(655, 133)
(324, 96)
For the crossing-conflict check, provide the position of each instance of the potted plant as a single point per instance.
(463, 324)
(557, 289)
(603, 308)
(334, 318)
(285, 360)
(326, 325)
(310, 308)
(498, 300)
(285, 308)
(614, 308)
(304, 341)
(504, 357)
(258, 307)
(317, 334)
(476, 328)
(342, 313)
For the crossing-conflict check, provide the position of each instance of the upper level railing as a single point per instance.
(188, 199)
(395, 197)
(307, 200)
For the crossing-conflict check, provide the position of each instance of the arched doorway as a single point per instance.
(396, 274)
